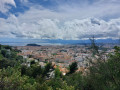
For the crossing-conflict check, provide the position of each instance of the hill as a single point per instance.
(33, 45)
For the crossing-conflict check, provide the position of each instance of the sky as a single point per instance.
(60, 19)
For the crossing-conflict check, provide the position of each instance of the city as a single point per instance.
(59, 44)
(61, 55)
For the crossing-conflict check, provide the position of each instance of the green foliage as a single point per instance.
(57, 73)
(23, 70)
(44, 86)
(4, 52)
(59, 84)
(73, 67)
(4, 63)
(106, 75)
(11, 79)
(0, 46)
(94, 47)
(32, 62)
(54, 54)
(1, 57)
(8, 57)
(102, 75)
(19, 59)
(40, 79)
(30, 56)
(7, 47)
(76, 80)
(37, 71)
(47, 68)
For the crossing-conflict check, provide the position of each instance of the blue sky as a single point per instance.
(60, 19)
(21, 6)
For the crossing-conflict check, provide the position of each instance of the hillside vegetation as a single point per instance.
(102, 75)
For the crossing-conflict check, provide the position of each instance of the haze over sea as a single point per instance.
(24, 42)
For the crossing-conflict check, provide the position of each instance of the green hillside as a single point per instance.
(102, 75)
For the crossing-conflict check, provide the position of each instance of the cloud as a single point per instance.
(85, 9)
(75, 9)
(74, 29)
(5, 5)
(71, 20)
(24, 0)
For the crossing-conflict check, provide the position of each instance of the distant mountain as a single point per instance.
(36, 42)
(33, 45)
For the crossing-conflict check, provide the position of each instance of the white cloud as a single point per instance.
(70, 10)
(67, 21)
(24, 1)
(5, 5)
(99, 9)
(58, 29)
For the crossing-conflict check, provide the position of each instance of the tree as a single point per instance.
(7, 47)
(106, 75)
(94, 47)
(59, 84)
(73, 67)
(57, 73)
(4, 52)
(32, 62)
(37, 70)
(4, 63)
(23, 70)
(75, 80)
(0, 46)
(11, 79)
(47, 68)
